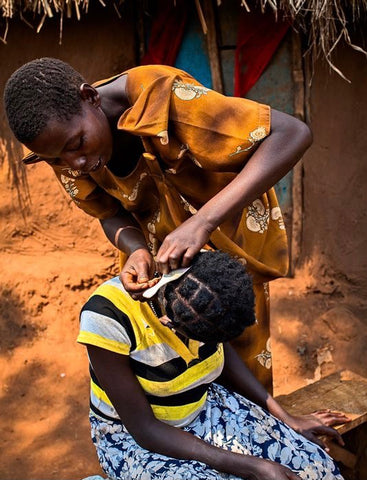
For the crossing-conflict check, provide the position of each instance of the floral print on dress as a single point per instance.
(257, 217)
(135, 190)
(264, 358)
(276, 215)
(153, 241)
(74, 173)
(187, 206)
(188, 91)
(228, 421)
(69, 185)
(254, 137)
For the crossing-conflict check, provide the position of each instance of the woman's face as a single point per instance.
(82, 143)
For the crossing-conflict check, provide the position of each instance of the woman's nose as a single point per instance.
(77, 162)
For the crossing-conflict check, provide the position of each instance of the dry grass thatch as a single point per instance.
(325, 23)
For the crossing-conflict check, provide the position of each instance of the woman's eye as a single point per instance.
(78, 145)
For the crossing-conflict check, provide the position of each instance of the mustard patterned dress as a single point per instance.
(195, 141)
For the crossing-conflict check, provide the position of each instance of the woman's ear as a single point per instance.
(90, 94)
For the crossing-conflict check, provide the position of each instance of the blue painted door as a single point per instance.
(275, 87)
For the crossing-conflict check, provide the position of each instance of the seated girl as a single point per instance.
(159, 407)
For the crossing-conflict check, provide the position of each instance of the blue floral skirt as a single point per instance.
(228, 421)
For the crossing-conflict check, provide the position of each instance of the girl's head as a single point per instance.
(213, 301)
(57, 115)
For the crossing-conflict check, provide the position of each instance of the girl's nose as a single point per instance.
(78, 162)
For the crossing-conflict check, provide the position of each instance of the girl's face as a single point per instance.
(82, 143)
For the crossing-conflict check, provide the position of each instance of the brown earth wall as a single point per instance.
(335, 177)
(54, 256)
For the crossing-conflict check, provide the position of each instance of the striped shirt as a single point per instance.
(174, 376)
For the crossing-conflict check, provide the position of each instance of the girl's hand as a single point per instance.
(137, 273)
(261, 469)
(180, 246)
(330, 418)
(312, 428)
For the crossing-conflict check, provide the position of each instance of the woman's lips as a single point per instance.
(97, 165)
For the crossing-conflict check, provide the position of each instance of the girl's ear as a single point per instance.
(90, 94)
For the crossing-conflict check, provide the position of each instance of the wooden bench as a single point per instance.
(345, 392)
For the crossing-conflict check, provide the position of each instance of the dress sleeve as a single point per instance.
(184, 119)
(104, 326)
(219, 133)
(86, 194)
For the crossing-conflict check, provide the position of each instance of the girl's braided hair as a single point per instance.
(213, 301)
(38, 91)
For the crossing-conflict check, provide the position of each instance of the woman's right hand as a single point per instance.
(137, 273)
(261, 469)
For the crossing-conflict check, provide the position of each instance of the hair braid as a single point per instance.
(214, 301)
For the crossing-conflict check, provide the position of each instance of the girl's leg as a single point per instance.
(232, 422)
(122, 458)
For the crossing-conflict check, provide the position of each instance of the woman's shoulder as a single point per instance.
(155, 71)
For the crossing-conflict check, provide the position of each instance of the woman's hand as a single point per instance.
(137, 273)
(180, 246)
(312, 428)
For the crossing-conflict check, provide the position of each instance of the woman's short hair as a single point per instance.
(38, 91)
(214, 300)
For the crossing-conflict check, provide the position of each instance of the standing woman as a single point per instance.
(168, 166)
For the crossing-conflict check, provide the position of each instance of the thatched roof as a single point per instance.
(325, 23)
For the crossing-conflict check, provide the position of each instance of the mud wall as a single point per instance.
(335, 177)
(335, 168)
(99, 45)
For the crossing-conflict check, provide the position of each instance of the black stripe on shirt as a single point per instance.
(184, 398)
(104, 306)
(171, 369)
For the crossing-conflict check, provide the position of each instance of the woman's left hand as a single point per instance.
(180, 246)
(312, 428)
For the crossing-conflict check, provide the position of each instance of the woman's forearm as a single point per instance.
(128, 240)
(273, 159)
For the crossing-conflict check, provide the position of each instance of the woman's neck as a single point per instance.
(114, 99)
(127, 148)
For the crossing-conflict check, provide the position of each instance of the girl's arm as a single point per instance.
(117, 379)
(237, 376)
(276, 155)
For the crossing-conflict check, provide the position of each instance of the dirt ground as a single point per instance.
(51, 261)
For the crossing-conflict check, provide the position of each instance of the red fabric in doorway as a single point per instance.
(259, 35)
(168, 27)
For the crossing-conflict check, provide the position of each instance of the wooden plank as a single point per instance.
(297, 186)
(342, 391)
(212, 42)
(341, 454)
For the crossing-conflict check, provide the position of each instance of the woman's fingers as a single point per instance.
(137, 274)
(168, 260)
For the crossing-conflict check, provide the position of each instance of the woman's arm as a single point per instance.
(276, 155)
(117, 379)
(237, 376)
(137, 273)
